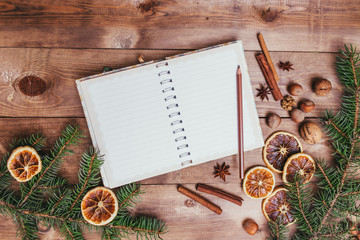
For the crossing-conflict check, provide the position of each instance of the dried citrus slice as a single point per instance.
(24, 163)
(258, 182)
(99, 206)
(276, 207)
(278, 148)
(300, 163)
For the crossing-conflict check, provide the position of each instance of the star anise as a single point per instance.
(286, 66)
(221, 171)
(263, 92)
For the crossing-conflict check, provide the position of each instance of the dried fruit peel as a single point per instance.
(24, 163)
(276, 205)
(99, 206)
(300, 163)
(259, 182)
(277, 149)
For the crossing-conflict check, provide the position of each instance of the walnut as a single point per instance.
(322, 87)
(288, 103)
(310, 132)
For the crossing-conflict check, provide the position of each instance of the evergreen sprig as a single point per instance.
(324, 212)
(48, 198)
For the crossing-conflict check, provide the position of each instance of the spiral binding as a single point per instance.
(174, 113)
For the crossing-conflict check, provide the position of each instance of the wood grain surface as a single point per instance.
(306, 25)
(61, 41)
(59, 68)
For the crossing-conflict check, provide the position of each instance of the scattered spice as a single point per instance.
(269, 77)
(288, 102)
(221, 171)
(32, 86)
(286, 66)
(219, 193)
(263, 92)
(199, 199)
(141, 59)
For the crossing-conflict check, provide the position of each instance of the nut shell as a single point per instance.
(322, 87)
(295, 89)
(310, 132)
(297, 115)
(287, 103)
(307, 106)
(250, 226)
(273, 120)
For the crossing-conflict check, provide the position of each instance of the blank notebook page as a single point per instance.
(130, 126)
(205, 84)
(166, 115)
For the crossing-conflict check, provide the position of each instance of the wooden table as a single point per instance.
(61, 41)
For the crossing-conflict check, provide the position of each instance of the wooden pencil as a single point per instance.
(240, 122)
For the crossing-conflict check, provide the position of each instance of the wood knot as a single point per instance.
(190, 203)
(270, 15)
(148, 7)
(32, 86)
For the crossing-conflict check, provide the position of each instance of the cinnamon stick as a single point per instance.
(219, 193)
(269, 77)
(199, 199)
(267, 56)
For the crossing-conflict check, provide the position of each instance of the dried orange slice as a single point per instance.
(99, 206)
(278, 148)
(24, 163)
(276, 207)
(300, 163)
(258, 182)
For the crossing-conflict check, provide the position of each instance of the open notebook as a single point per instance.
(161, 116)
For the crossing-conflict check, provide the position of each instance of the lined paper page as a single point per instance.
(206, 85)
(130, 125)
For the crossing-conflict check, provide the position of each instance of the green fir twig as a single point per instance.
(325, 212)
(62, 208)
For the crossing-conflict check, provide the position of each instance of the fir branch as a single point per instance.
(278, 231)
(128, 194)
(301, 199)
(70, 136)
(137, 224)
(320, 168)
(62, 207)
(325, 215)
(88, 175)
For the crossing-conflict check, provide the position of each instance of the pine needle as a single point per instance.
(48, 198)
(324, 213)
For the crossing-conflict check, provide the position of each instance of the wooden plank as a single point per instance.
(161, 198)
(189, 223)
(203, 173)
(59, 68)
(322, 25)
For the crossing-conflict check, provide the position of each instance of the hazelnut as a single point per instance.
(310, 132)
(250, 226)
(307, 106)
(295, 89)
(322, 87)
(273, 120)
(297, 115)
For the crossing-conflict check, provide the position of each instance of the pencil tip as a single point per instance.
(238, 69)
